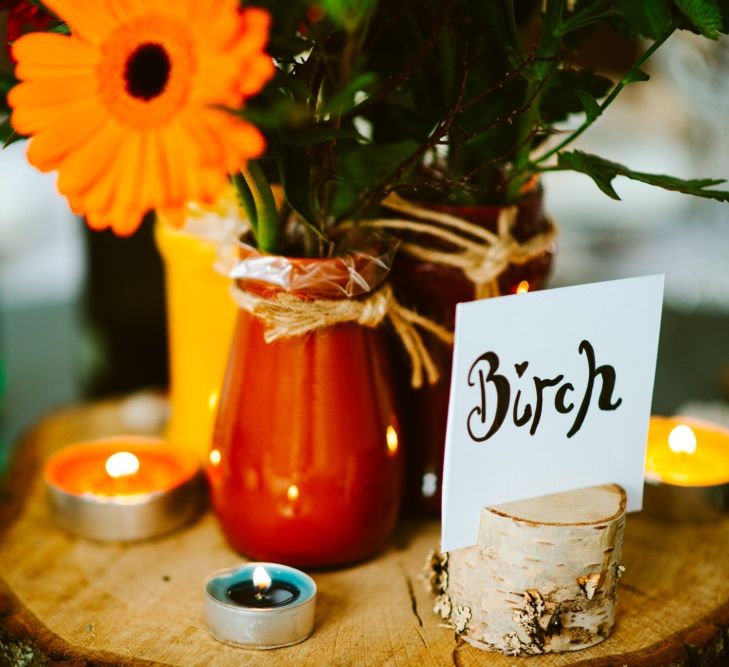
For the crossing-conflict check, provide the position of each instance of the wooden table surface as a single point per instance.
(70, 601)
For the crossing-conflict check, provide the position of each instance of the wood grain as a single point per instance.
(69, 601)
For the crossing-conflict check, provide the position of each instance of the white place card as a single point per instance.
(550, 391)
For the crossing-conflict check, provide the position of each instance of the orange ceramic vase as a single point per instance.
(306, 467)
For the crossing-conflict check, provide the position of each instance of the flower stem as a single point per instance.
(628, 78)
(266, 224)
(246, 201)
(537, 74)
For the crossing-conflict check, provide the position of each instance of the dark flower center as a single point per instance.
(147, 71)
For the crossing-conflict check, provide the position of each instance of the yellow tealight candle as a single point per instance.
(122, 488)
(687, 470)
(687, 452)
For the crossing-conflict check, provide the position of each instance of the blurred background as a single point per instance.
(82, 314)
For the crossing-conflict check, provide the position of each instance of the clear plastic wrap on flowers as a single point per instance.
(357, 266)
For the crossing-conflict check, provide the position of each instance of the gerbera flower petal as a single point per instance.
(256, 73)
(128, 10)
(215, 14)
(49, 147)
(149, 173)
(211, 143)
(112, 200)
(89, 163)
(247, 140)
(43, 55)
(32, 120)
(178, 156)
(89, 20)
(51, 92)
(127, 107)
(256, 24)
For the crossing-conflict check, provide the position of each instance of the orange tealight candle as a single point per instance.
(687, 468)
(122, 488)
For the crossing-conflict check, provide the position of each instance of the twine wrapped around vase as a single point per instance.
(481, 254)
(286, 315)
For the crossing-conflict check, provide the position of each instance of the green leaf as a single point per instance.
(283, 113)
(591, 107)
(7, 81)
(650, 18)
(284, 49)
(7, 134)
(636, 75)
(724, 8)
(603, 172)
(349, 13)
(295, 87)
(363, 166)
(562, 94)
(314, 135)
(245, 199)
(295, 172)
(60, 28)
(704, 15)
(344, 100)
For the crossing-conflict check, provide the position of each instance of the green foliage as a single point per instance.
(650, 18)
(343, 100)
(295, 173)
(7, 134)
(362, 167)
(636, 75)
(349, 13)
(704, 15)
(602, 172)
(7, 81)
(60, 28)
(724, 9)
(449, 99)
(571, 91)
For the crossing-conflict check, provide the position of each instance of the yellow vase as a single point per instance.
(200, 319)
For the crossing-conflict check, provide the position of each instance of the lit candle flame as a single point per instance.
(261, 579)
(391, 437)
(122, 464)
(292, 493)
(522, 287)
(215, 457)
(682, 439)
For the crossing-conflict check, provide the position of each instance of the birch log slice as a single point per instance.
(543, 576)
(71, 602)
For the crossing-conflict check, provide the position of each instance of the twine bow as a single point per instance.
(481, 254)
(286, 315)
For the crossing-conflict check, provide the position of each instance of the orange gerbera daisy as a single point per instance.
(128, 108)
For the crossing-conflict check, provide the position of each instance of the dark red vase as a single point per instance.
(434, 290)
(307, 465)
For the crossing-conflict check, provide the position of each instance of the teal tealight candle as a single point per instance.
(260, 605)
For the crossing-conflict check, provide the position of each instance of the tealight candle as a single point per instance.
(687, 469)
(260, 605)
(122, 488)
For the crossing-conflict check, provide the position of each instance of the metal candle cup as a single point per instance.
(280, 613)
(122, 488)
(687, 470)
